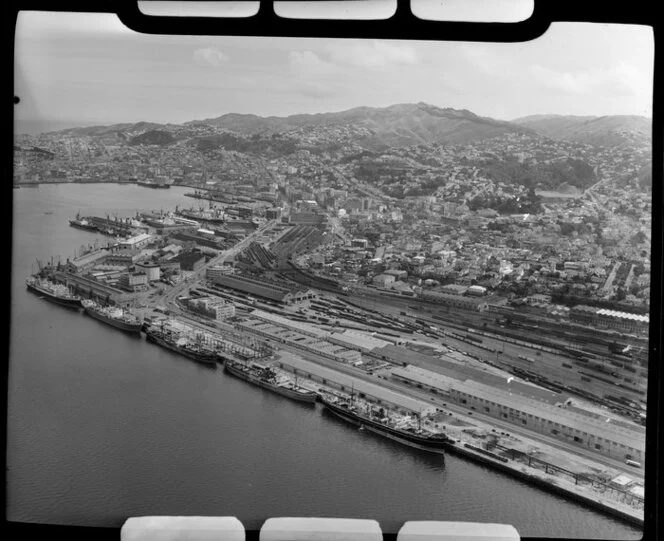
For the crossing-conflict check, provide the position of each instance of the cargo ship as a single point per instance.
(153, 183)
(183, 346)
(267, 378)
(82, 223)
(202, 216)
(55, 293)
(376, 419)
(116, 317)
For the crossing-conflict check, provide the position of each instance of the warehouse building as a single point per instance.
(510, 402)
(262, 289)
(135, 243)
(612, 319)
(87, 261)
(475, 304)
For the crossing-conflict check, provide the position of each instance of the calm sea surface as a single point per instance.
(104, 426)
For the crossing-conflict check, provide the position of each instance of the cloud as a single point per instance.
(210, 56)
(309, 64)
(376, 54)
(618, 80)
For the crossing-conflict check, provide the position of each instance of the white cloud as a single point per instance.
(618, 80)
(210, 56)
(376, 54)
(308, 64)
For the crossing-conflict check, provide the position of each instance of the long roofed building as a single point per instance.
(267, 290)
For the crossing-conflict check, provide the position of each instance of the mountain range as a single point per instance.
(395, 126)
(595, 130)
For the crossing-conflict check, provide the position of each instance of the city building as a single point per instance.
(383, 280)
(191, 261)
(133, 281)
(218, 270)
(214, 308)
(125, 258)
(397, 273)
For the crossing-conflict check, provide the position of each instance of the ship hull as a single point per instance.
(83, 227)
(127, 327)
(309, 398)
(73, 304)
(156, 186)
(202, 218)
(412, 440)
(209, 360)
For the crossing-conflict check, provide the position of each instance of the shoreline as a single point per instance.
(545, 484)
(535, 478)
(133, 182)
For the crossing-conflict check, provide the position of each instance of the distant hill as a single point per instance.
(153, 137)
(600, 131)
(397, 125)
(112, 129)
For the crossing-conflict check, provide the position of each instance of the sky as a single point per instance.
(75, 69)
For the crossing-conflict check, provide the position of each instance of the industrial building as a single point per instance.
(612, 319)
(152, 270)
(87, 261)
(475, 304)
(190, 261)
(125, 258)
(214, 308)
(262, 289)
(552, 418)
(133, 281)
(135, 243)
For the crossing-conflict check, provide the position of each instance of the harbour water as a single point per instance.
(103, 426)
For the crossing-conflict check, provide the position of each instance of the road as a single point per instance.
(168, 298)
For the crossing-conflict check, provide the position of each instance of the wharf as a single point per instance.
(346, 381)
(92, 288)
(550, 468)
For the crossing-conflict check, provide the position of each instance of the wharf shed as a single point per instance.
(87, 261)
(598, 435)
(527, 406)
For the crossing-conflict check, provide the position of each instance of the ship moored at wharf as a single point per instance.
(377, 420)
(117, 317)
(181, 345)
(153, 184)
(215, 218)
(82, 223)
(55, 293)
(267, 378)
